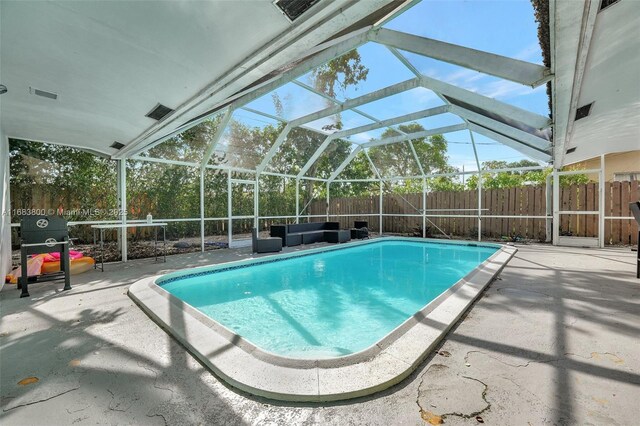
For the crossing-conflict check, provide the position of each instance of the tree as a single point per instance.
(340, 73)
(397, 159)
(44, 176)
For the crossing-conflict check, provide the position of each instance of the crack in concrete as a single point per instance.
(475, 413)
(422, 411)
(155, 379)
(41, 400)
(78, 410)
(522, 290)
(509, 364)
(166, 422)
(112, 399)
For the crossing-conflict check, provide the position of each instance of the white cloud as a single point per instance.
(531, 53)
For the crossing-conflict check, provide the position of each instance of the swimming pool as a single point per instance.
(331, 303)
(322, 324)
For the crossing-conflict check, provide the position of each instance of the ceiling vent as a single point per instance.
(159, 112)
(570, 150)
(293, 9)
(583, 111)
(43, 93)
(117, 145)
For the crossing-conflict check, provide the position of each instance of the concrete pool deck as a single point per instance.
(553, 341)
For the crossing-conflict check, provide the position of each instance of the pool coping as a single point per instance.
(249, 368)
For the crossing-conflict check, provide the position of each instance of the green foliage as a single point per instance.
(513, 179)
(67, 178)
(340, 73)
(398, 160)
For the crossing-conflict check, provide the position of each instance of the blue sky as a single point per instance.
(504, 27)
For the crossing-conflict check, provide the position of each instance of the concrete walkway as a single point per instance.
(555, 340)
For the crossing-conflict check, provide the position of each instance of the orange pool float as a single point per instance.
(76, 266)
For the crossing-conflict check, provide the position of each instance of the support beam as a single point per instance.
(526, 138)
(424, 207)
(256, 204)
(264, 114)
(415, 157)
(315, 156)
(524, 149)
(297, 200)
(527, 117)
(344, 164)
(429, 112)
(202, 170)
(475, 154)
(556, 207)
(122, 182)
(362, 100)
(373, 166)
(274, 149)
(488, 63)
(229, 209)
(380, 207)
(334, 100)
(601, 202)
(328, 199)
(320, 55)
(417, 135)
(216, 137)
(404, 61)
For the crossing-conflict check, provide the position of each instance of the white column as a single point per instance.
(202, 169)
(229, 208)
(549, 209)
(424, 207)
(556, 207)
(297, 200)
(122, 182)
(256, 204)
(328, 200)
(601, 203)
(380, 209)
(479, 205)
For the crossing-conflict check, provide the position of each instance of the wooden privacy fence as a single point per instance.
(501, 208)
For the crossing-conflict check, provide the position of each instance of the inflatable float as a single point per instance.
(50, 262)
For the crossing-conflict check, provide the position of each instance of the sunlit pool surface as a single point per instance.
(331, 303)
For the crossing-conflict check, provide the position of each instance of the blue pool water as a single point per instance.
(332, 303)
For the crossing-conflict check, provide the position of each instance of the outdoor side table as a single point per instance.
(124, 226)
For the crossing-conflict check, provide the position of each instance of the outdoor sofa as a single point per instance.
(307, 233)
